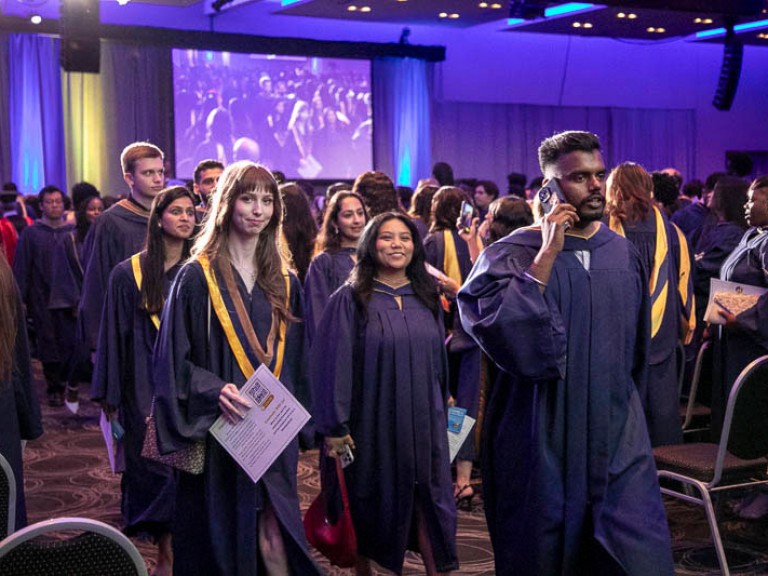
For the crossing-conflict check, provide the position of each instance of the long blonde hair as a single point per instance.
(237, 179)
(8, 311)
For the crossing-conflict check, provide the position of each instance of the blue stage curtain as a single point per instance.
(34, 104)
(5, 128)
(402, 89)
(489, 141)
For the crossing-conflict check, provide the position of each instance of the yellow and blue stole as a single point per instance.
(138, 277)
(232, 324)
(688, 308)
(659, 282)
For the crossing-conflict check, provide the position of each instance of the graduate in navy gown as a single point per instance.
(19, 409)
(380, 386)
(345, 218)
(122, 374)
(449, 253)
(54, 324)
(744, 336)
(224, 524)
(569, 479)
(68, 269)
(119, 232)
(664, 253)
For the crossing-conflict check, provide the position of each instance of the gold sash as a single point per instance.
(687, 299)
(658, 296)
(217, 301)
(137, 276)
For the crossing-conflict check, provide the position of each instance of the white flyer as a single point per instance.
(272, 422)
(457, 439)
(732, 297)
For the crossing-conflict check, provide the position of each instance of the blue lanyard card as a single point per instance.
(456, 418)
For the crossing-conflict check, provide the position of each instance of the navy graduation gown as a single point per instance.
(661, 396)
(33, 267)
(566, 457)
(116, 235)
(122, 378)
(19, 412)
(327, 271)
(739, 345)
(463, 354)
(383, 381)
(216, 519)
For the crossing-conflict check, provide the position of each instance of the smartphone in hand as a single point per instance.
(547, 192)
(346, 457)
(466, 215)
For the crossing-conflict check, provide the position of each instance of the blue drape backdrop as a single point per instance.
(402, 92)
(35, 112)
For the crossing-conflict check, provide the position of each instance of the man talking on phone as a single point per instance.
(562, 308)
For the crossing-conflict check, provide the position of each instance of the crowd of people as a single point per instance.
(553, 320)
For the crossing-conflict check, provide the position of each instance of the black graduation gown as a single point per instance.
(122, 378)
(19, 413)
(116, 235)
(327, 271)
(384, 382)
(463, 354)
(33, 267)
(566, 456)
(739, 345)
(661, 396)
(215, 528)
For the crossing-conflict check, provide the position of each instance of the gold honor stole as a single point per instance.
(137, 276)
(227, 324)
(450, 264)
(659, 282)
(134, 208)
(687, 298)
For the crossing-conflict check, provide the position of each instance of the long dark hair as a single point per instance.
(299, 228)
(728, 199)
(237, 179)
(153, 267)
(329, 238)
(364, 272)
(8, 311)
(446, 206)
(81, 218)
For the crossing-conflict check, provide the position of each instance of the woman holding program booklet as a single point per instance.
(233, 307)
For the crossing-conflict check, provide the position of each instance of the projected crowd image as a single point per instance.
(310, 118)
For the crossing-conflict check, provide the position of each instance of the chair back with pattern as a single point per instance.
(7, 498)
(97, 550)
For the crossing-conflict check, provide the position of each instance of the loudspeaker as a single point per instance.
(730, 72)
(79, 30)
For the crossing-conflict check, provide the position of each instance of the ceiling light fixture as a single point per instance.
(123, 2)
(587, 25)
(443, 14)
(365, 9)
(632, 16)
(576, 24)
(453, 16)
(352, 8)
(496, 6)
(36, 19)
(739, 28)
(483, 4)
(521, 12)
(621, 15)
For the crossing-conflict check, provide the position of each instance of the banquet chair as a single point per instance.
(697, 415)
(98, 550)
(699, 471)
(7, 498)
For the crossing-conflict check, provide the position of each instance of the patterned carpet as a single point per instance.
(67, 474)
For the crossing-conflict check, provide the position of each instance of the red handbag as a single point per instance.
(338, 541)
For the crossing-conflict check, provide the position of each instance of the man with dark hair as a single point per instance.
(692, 218)
(206, 176)
(442, 173)
(119, 232)
(568, 474)
(665, 192)
(34, 270)
(12, 209)
(485, 192)
(516, 184)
